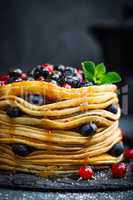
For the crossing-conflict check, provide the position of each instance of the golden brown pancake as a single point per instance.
(52, 130)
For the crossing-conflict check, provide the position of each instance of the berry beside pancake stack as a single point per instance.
(55, 119)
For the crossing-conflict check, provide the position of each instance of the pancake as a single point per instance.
(52, 130)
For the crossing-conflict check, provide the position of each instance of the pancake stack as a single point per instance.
(52, 130)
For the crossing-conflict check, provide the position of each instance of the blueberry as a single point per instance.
(60, 68)
(117, 149)
(35, 99)
(62, 79)
(36, 72)
(32, 72)
(21, 149)
(88, 129)
(44, 72)
(67, 79)
(112, 108)
(18, 80)
(55, 76)
(11, 80)
(18, 71)
(13, 112)
(86, 84)
(54, 82)
(70, 71)
(76, 81)
(57, 72)
(15, 73)
(30, 78)
(37, 75)
(39, 67)
(72, 80)
(14, 79)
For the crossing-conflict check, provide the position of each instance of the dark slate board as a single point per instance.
(103, 182)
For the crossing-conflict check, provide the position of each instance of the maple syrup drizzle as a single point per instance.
(85, 161)
(50, 136)
(84, 102)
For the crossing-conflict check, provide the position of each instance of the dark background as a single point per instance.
(67, 32)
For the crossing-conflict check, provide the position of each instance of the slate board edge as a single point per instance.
(34, 183)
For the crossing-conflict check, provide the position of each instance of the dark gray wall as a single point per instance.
(56, 31)
(37, 31)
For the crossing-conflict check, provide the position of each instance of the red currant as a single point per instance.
(4, 79)
(86, 172)
(24, 76)
(79, 74)
(78, 70)
(2, 83)
(41, 78)
(119, 170)
(128, 153)
(49, 67)
(66, 85)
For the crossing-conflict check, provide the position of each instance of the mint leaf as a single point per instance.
(98, 74)
(100, 70)
(89, 70)
(111, 77)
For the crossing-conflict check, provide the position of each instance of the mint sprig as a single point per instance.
(89, 70)
(97, 73)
